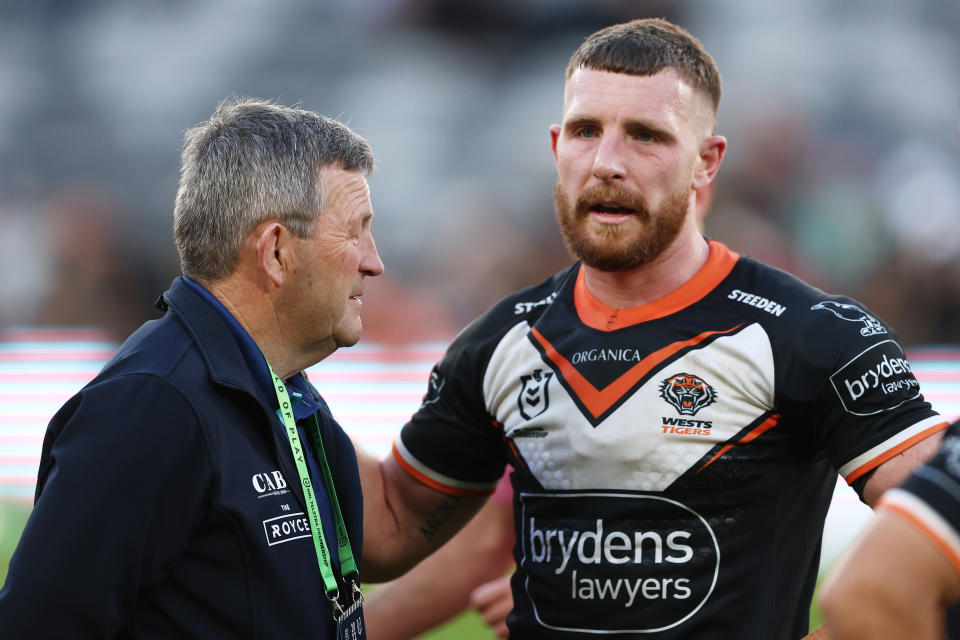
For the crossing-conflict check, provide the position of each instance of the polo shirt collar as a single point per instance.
(302, 396)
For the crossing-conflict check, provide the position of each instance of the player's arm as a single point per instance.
(440, 587)
(894, 471)
(893, 583)
(404, 520)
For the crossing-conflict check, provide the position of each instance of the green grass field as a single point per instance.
(13, 515)
(468, 626)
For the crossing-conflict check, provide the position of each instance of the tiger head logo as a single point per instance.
(687, 393)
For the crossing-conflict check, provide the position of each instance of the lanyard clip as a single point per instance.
(356, 591)
(334, 598)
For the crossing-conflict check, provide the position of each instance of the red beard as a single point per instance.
(613, 248)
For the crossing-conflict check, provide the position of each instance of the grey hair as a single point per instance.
(254, 161)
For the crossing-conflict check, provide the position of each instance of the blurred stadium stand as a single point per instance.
(843, 163)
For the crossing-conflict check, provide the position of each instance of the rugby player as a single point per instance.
(901, 574)
(675, 413)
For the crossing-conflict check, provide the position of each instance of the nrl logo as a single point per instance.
(533, 399)
(852, 313)
(687, 393)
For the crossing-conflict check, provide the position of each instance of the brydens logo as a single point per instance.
(639, 563)
(878, 379)
(687, 393)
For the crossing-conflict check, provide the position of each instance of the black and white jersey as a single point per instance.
(673, 463)
(930, 498)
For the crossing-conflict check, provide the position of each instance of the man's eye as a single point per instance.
(587, 132)
(646, 136)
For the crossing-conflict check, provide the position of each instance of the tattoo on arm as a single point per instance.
(439, 516)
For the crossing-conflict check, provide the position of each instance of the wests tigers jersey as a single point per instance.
(673, 463)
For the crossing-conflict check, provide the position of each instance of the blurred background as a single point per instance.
(843, 165)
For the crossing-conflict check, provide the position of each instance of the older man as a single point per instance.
(198, 487)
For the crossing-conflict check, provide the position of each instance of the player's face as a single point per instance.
(335, 260)
(625, 154)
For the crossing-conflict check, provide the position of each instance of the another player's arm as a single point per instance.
(893, 583)
(403, 519)
(886, 476)
(440, 587)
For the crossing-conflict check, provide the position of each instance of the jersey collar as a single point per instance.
(597, 315)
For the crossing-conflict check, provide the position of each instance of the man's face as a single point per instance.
(334, 261)
(626, 154)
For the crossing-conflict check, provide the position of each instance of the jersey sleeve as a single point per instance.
(863, 402)
(122, 481)
(930, 498)
(452, 443)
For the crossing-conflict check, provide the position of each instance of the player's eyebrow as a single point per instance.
(577, 123)
(637, 127)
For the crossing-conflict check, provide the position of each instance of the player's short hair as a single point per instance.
(254, 161)
(645, 47)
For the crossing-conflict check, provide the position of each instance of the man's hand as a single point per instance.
(493, 601)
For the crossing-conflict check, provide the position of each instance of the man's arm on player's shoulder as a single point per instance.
(893, 583)
(894, 471)
(403, 519)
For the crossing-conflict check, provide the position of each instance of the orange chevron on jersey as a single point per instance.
(598, 401)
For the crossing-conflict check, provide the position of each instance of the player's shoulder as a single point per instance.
(767, 292)
(776, 292)
(810, 328)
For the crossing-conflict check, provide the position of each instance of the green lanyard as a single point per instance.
(347, 565)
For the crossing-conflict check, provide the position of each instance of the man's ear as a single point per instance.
(276, 257)
(554, 137)
(711, 155)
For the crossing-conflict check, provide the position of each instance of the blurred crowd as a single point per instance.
(843, 167)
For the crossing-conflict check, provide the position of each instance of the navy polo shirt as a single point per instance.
(305, 403)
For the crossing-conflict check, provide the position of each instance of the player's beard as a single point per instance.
(613, 247)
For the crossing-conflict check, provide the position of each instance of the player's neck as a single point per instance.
(668, 272)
